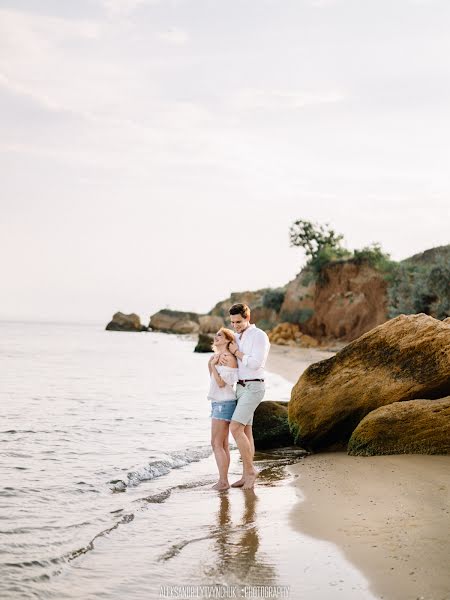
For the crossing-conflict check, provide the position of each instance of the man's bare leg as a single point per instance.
(246, 451)
(249, 433)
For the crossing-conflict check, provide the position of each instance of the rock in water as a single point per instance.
(210, 324)
(413, 427)
(205, 342)
(175, 321)
(403, 359)
(270, 425)
(123, 322)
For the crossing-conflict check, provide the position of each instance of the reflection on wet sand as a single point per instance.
(237, 557)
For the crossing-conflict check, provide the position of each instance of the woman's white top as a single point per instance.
(221, 394)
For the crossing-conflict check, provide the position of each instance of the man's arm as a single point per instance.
(260, 350)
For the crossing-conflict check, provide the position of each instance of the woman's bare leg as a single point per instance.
(219, 443)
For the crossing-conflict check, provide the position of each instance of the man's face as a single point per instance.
(239, 323)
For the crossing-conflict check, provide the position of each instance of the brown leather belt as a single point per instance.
(243, 381)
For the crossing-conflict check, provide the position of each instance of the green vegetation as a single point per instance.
(323, 246)
(274, 298)
(420, 287)
(301, 315)
(374, 256)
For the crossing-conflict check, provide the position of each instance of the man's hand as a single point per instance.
(226, 360)
(233, 347)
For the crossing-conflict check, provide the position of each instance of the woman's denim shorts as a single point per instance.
(223, 410)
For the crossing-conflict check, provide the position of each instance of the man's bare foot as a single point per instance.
(249, 480)
(221, 485)
(239, 482)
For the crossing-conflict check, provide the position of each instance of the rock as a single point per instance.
(205, 342)
(413, 427)
(404, 359)
(210, 324)
(447, 320)
(289, 334)
(175, 321)
(350, 300)
(270, 425)
(123, 322)
(264, 317)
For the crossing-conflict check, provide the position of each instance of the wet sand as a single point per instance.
(389, 515)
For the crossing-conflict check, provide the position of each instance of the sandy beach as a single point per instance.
(389, 515)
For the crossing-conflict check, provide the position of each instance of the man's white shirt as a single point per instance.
(255, 345)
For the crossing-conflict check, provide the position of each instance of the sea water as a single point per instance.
(106, 470)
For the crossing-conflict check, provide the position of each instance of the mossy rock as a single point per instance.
(406, 358)
(413, 427)
(270, 425)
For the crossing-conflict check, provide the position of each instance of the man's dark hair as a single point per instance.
(240, 309)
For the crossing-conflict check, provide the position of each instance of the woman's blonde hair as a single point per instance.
(229, 336)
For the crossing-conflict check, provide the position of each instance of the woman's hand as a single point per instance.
(214, 359)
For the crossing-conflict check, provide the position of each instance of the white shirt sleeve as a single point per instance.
(230, 375)
(260, 350)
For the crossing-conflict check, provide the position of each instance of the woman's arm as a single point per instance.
(217, 377)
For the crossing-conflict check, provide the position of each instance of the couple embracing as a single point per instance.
(239, 358)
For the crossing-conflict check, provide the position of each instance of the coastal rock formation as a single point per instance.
(210, 324)
(270, 425)
(263, 316)
(289, 334)
(346, 301)
(175, 321)
(123, 322)
(413, 427)
(205, 342)
(404, 359)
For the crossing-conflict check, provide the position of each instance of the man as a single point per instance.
(251, 350)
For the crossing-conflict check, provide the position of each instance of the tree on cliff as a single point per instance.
(320, 243)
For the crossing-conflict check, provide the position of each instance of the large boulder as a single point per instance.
(210, 324)
(175, 321)
(270, 425)
(414, 427)
(404, 359)
(205, 343)
(123, 322)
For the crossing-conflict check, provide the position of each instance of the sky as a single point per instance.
(154, 153)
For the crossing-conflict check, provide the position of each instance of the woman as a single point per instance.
(223, 402)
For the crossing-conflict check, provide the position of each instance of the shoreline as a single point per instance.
(388, 515)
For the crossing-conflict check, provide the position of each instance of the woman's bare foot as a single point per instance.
(239, 482)
(249, 480)
(221, 485)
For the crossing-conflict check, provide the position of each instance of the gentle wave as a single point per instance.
(161, 466)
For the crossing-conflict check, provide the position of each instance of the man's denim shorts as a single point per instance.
(223, 410)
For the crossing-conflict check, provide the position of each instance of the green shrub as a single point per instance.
(416, 288)
(274, 298)
(374, 256)
(300, 315)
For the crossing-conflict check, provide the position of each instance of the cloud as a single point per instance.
(117, 8)
(254, 99)
(174, 36)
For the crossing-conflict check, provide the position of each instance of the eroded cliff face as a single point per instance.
(346, 301)
(263, 316)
